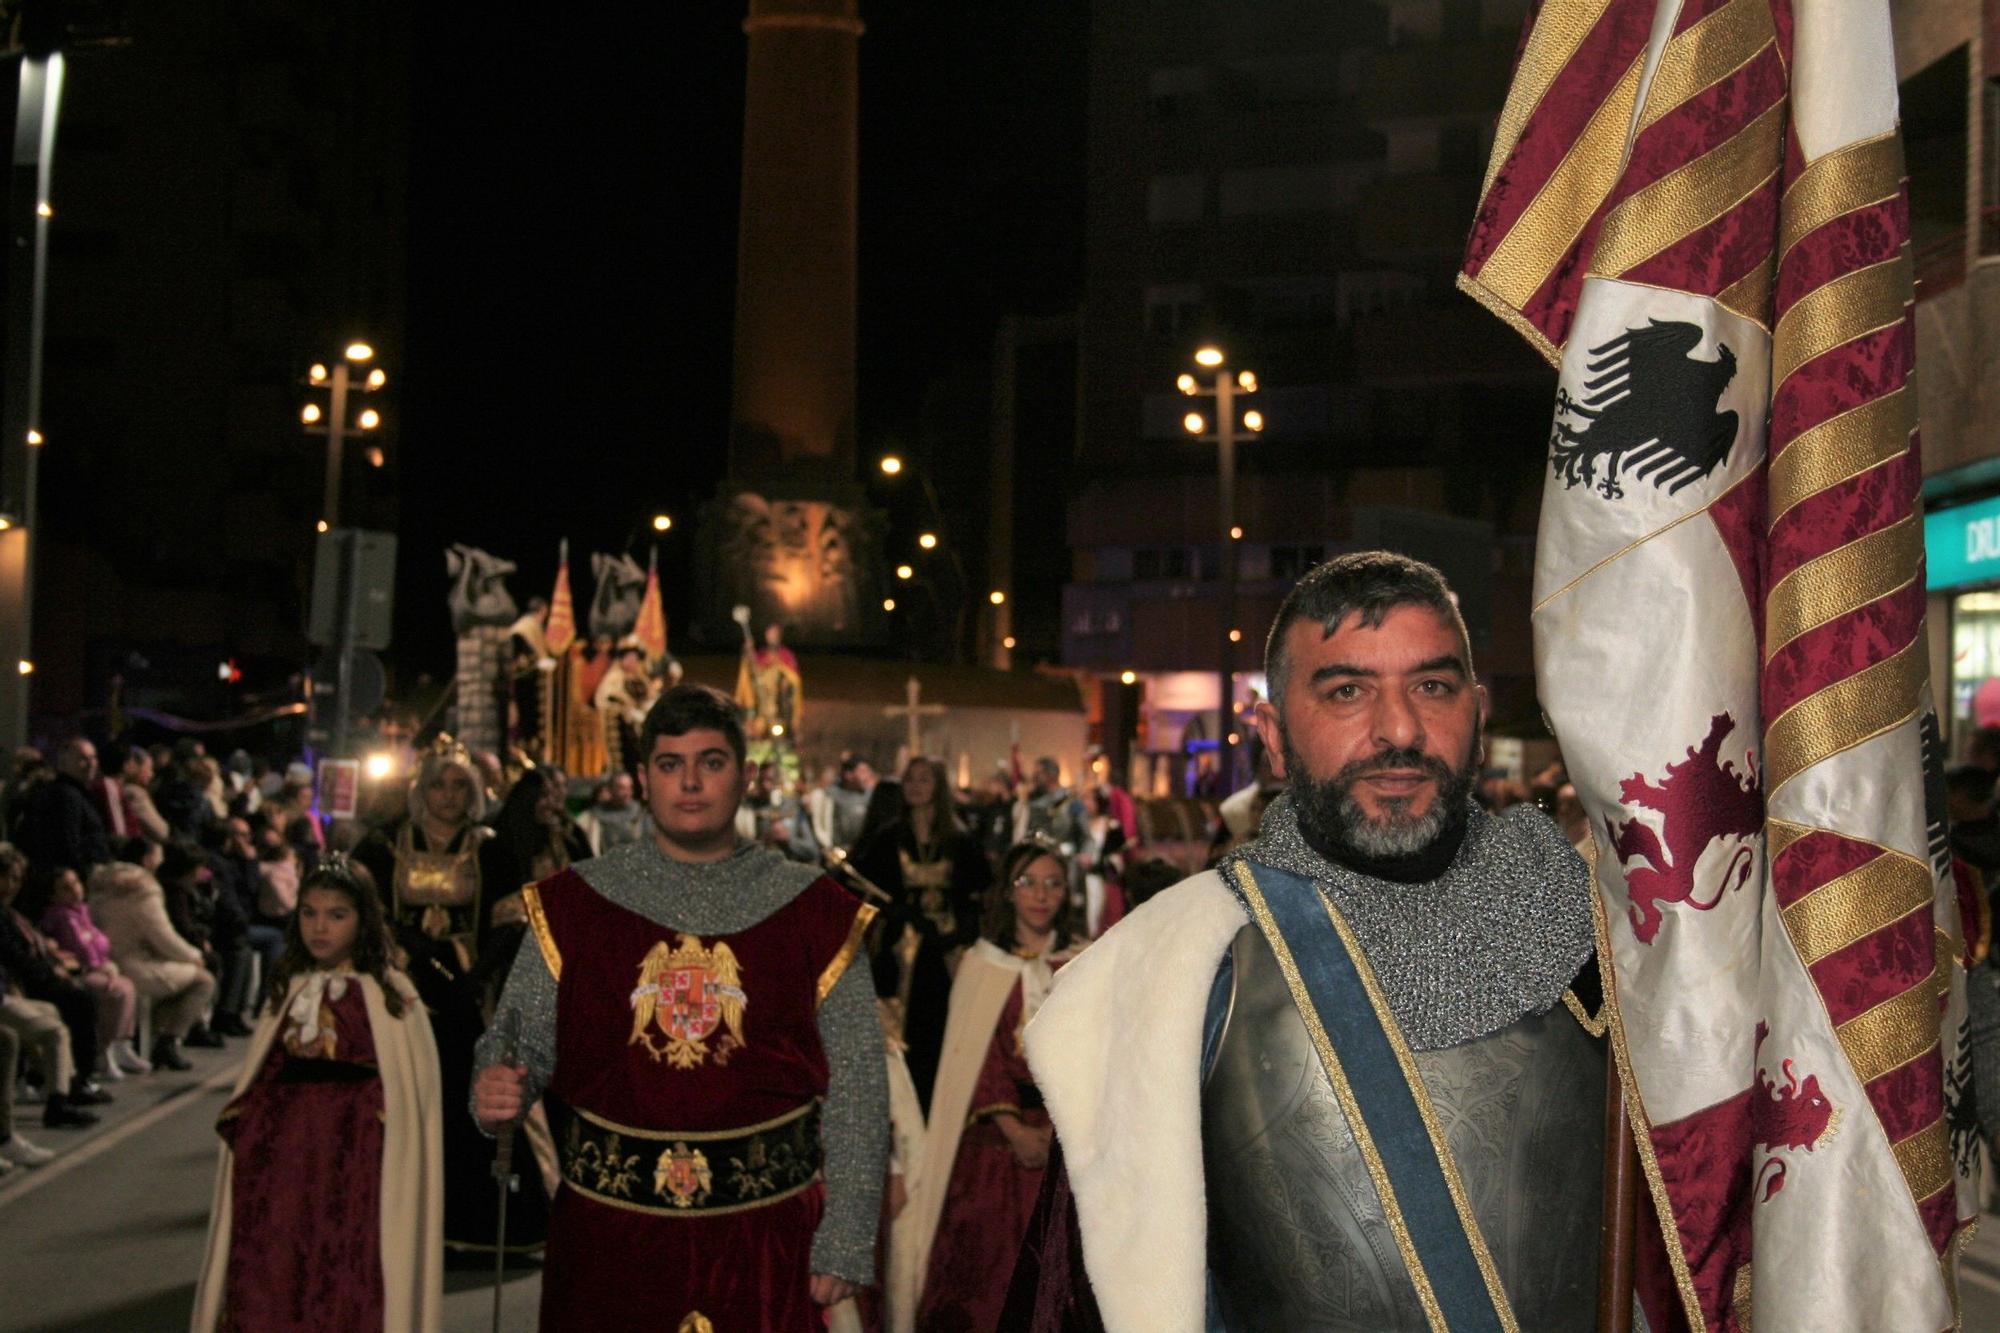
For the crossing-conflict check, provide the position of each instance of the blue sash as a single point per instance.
(1383, 1097)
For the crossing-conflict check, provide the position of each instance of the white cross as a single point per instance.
(913, 714)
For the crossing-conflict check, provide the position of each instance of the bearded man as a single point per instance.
(1349, 1079)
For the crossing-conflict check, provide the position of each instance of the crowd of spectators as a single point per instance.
(141, 910)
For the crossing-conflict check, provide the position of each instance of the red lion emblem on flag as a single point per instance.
(1797, 1115)
(1700, 799)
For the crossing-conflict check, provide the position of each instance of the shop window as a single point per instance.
(1975, 661)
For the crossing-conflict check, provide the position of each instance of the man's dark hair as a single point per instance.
(1370, 583)
(687, 708)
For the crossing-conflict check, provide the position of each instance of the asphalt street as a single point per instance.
(108, 1237)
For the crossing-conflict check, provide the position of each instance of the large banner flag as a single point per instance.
(561, 631)
(1697, 209)
(651, 627)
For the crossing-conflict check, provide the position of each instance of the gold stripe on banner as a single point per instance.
(1691, 196)
(1841, 447)
(1839, 312)
(1559, 31)
(1853, 906)
(1843, 580)
(1925, 1157)
(1549, 226)
(1780, 834)
(1750, 295)
(1706, 53)
(1863, 173)
(1844, 714)
(1893, 1033)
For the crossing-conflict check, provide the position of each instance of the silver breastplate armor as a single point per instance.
(1296, 1236)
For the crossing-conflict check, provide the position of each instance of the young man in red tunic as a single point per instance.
(712, 1063)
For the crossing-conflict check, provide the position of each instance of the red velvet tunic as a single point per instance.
(660, 1033)
(305, 1247)
(991, 1196)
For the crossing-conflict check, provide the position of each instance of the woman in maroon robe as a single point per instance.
(327, 1200)
(981, 1165)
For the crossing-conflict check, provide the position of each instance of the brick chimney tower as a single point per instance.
(792, 418)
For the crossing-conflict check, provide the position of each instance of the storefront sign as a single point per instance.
(1962, 544)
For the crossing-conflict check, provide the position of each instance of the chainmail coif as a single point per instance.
(1498, 936)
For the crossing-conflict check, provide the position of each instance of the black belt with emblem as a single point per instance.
(686, 1173)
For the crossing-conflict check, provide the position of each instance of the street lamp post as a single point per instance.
(333, 421)
(892, 465)
(334, 424)
(1226, 388)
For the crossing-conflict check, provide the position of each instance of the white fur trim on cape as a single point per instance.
(412, 1218)
(986, 977)
(1116, 1052)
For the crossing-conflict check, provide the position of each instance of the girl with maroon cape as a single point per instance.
(328, 1208)
(980, 1168)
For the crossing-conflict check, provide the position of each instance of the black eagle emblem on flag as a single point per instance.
(1648, 408)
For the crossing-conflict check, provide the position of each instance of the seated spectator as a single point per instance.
(182, 797)
(142, 817)
(39, 1027)
(278, 873)
(212, 923)
(132, 908)
(42, 971)
(300, 825)
(232, 856)
(15, 1150)
(68, 922)
(60, 825)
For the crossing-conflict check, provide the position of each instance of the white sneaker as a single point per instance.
(108, 1070)
(127, 1059)
(23, 1153)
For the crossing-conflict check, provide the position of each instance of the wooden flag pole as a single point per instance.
(1619, 1226)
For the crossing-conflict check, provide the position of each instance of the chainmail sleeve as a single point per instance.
(854, 1129)
(531, 993)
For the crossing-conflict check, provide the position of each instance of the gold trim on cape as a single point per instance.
(863, 915)
(538, 921)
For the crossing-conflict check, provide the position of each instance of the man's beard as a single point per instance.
(1337, 824)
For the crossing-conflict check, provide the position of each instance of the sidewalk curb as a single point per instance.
(33, 1178)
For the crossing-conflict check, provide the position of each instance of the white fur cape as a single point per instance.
(412, 1164)
(1116, 1052)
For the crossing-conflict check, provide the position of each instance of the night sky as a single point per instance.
(572, 260)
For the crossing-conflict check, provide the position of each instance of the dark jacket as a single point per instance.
(60, 827)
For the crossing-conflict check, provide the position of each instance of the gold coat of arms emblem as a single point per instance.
(687, 992)
(682, 1175)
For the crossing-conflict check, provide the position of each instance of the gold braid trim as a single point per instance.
(538, 921)
(862, 917)
(989, 1112)
(1642, 1125)
(1595, 1024)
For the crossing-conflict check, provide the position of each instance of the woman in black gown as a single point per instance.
(937, 875)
